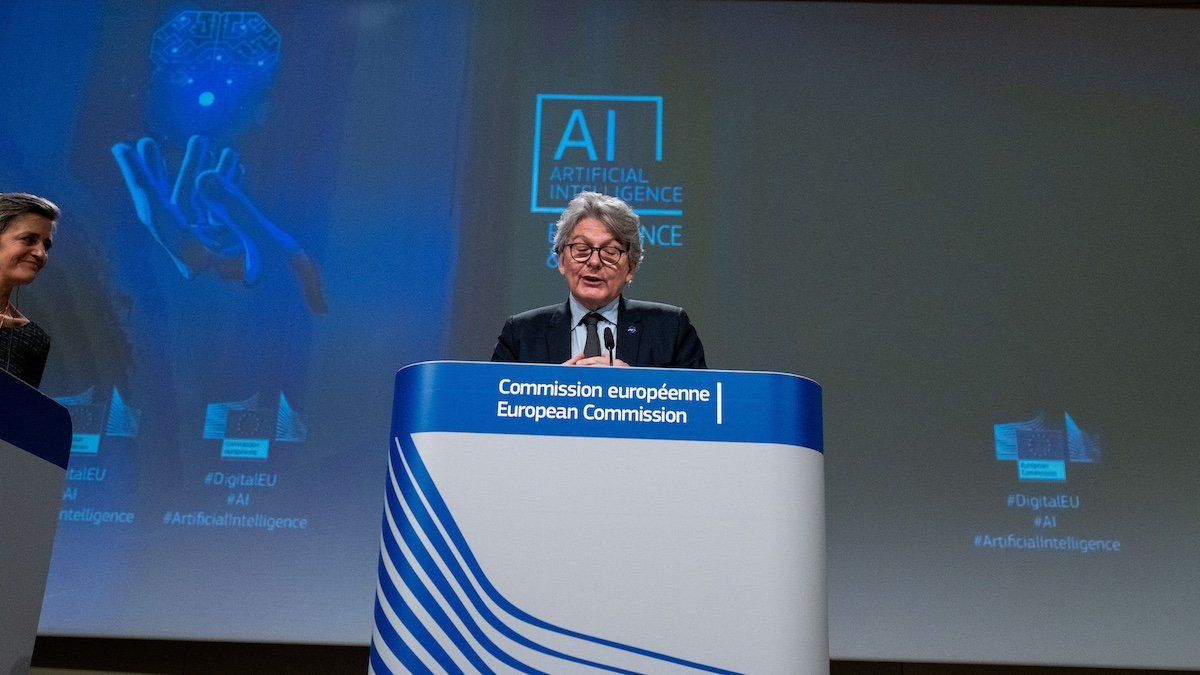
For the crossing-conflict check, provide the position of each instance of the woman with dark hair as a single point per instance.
(27, 225)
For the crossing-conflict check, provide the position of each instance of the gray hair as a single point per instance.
(614, 213)
(15, 204)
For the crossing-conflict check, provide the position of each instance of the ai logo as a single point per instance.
(609, 144)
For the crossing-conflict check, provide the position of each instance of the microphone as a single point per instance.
(609, 343)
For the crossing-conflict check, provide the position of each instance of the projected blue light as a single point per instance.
(207, 98)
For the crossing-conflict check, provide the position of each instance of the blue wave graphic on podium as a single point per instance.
(417, 520)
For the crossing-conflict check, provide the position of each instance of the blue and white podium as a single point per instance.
(35, 443)
(550, 519)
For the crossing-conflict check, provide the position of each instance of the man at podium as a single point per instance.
(599, 247)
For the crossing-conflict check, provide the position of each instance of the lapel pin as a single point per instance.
(631, 329)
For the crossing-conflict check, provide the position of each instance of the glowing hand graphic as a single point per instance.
(204, 219)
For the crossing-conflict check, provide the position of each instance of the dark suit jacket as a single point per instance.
(648, 334)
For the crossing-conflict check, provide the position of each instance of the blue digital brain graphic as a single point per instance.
(215, 56)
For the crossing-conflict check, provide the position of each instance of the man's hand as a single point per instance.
(579, 360)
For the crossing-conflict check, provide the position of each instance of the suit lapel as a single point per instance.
(629, 333)
(558, 334)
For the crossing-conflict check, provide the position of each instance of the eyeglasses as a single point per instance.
(609, 255)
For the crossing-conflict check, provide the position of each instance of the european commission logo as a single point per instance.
(1042, 453)
(93, 418)
(611, 144)
(245, 429)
